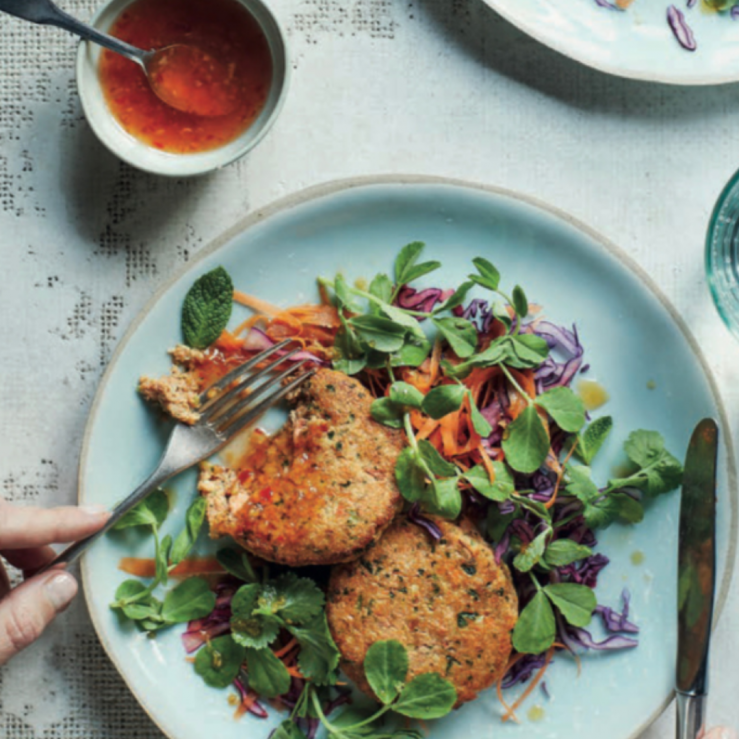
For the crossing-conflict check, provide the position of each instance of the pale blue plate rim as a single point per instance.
(336, 187)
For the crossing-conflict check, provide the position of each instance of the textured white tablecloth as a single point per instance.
(439, 87)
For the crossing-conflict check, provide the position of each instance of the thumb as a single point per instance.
(28, 610)
(721, 732)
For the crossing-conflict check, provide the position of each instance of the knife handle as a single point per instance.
(691, 715)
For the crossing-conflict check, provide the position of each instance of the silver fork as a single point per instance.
(223, 413)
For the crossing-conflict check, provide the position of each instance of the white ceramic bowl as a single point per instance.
(140, 155)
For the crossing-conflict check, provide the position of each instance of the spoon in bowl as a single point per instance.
(184, 77)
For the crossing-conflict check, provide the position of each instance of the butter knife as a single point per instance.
(696, 579)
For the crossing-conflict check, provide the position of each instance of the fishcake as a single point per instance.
(318, 492)
(448, 602)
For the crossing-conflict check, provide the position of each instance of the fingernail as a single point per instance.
(60, 590)
(94, 510)
(727, 733)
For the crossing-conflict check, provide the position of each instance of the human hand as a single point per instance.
(25, 535)
(721, 732)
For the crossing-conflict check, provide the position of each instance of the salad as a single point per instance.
(494, 452)
(676, 17)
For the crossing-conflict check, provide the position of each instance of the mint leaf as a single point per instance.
(151, 511)
(499, 490)
(564, 407)
(563, 552)
(488, 276)
(427, 696)
(532, 555)
(404, 394)
(443, 400)
(185, 541)
(191, 599)
(520, 304)
(592, 438)
(207, 308)
(526, 444)
(319, 656)
(536, 628)
(386, 667)
(575, 602)
(268, 676)
(219, 661)
(460, 333)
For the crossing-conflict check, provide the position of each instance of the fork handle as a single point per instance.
(691, 715)
(73, 552)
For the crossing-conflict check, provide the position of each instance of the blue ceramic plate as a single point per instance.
(633, 341)
(636, 43)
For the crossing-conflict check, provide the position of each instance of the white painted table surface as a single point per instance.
(441, 87)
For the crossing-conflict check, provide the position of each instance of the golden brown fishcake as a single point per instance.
(448, 602)
(318, 492)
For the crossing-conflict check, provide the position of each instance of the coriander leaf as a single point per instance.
(434, 461)
(456, 299)
(380, 333)
(298, 599)
(629, 510)
(207, 308)
(387, 412)
(386, 667)
(488, 277)
(520, 304)
(185, 541)
(460, 333)
(499, 490)
(236, 564)
(660, 472)
(288, 730)
(442, 400)
(427, 696)
(526, 444)
(405, 394)
(151, 511)
(592, 438)
(536, 628)
(479, 422)
(564, 407)
(601, 513)
(382, 287)
(575, 602)
(319, 656)
(410, 475)
(190, 600)
(219, 661)
(580, 485)
(248, 629)
(445, 500)
(532, 555)
(563, 552)
(268, 676)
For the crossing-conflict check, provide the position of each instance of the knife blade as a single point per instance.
(696, 578)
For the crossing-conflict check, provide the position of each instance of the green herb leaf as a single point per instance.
(380, 333)
(456, 299)
(536, 628)
(460, 333)
(446, 500)
(288, 730)
(344, 295)
(406, 269)
(526, 444)
(442, 400)
(191, 599)
(526, 560)
(185, 541)
(149, 610)
(499, 490)
(592, 438)
(149, 512)
(434, 461)
(488, 276)
(413, 354)
(501, 313)
(387, 412)
(404, 394)
(427, 696)
(319, 656)
(520, 304)
(410, 475)
(219, 661)
(129, 591)
(479, 422)
(382, 287)
(237, 564)
(529, 350)
(564, 407)
(386, 667)
(251, 630)
(207, 308)
(575, 602)
(659, 471)
(563, 552)
(295, 599)
(161, 559)
(268, 676)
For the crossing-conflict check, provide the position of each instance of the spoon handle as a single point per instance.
(46, 13)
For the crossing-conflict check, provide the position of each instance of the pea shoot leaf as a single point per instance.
(413, 354)
(382, 288)
(488, 276)
(319, 657)
(151, 511)
(427, 696)
(207, 308)
(219, 661)
(575, 602)
(381, 334)
(435, 462)
(479, 422)
(386, 667)
(520, 304)
(456, 299)
(404, 394)
(190, 600)
(499, 490)
(526, 444)
(410, 475)
(563, 552)
(406, 269)
(288, 730)
(185, 541)
(528, 558)
(445, 500)
(387, 412)
(268, 676)
(536, 628)
(460, 333)
(442, 400)
(564, 407)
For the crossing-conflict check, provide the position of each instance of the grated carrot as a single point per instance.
(256, 304)
(249, 700)
(295, 672)
(146, 567)
(534, 682)
(288, 647)
(551, 500)
(487, 463)
(499, 685)
(435, 359)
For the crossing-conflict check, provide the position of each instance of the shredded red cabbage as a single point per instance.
(423, 301)
(256, 340)
(618, 622)
(217, 623)
(414, 516)
(586, 571)
(523, 670)
(681, 29)
(256, 708)
(583, 638)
